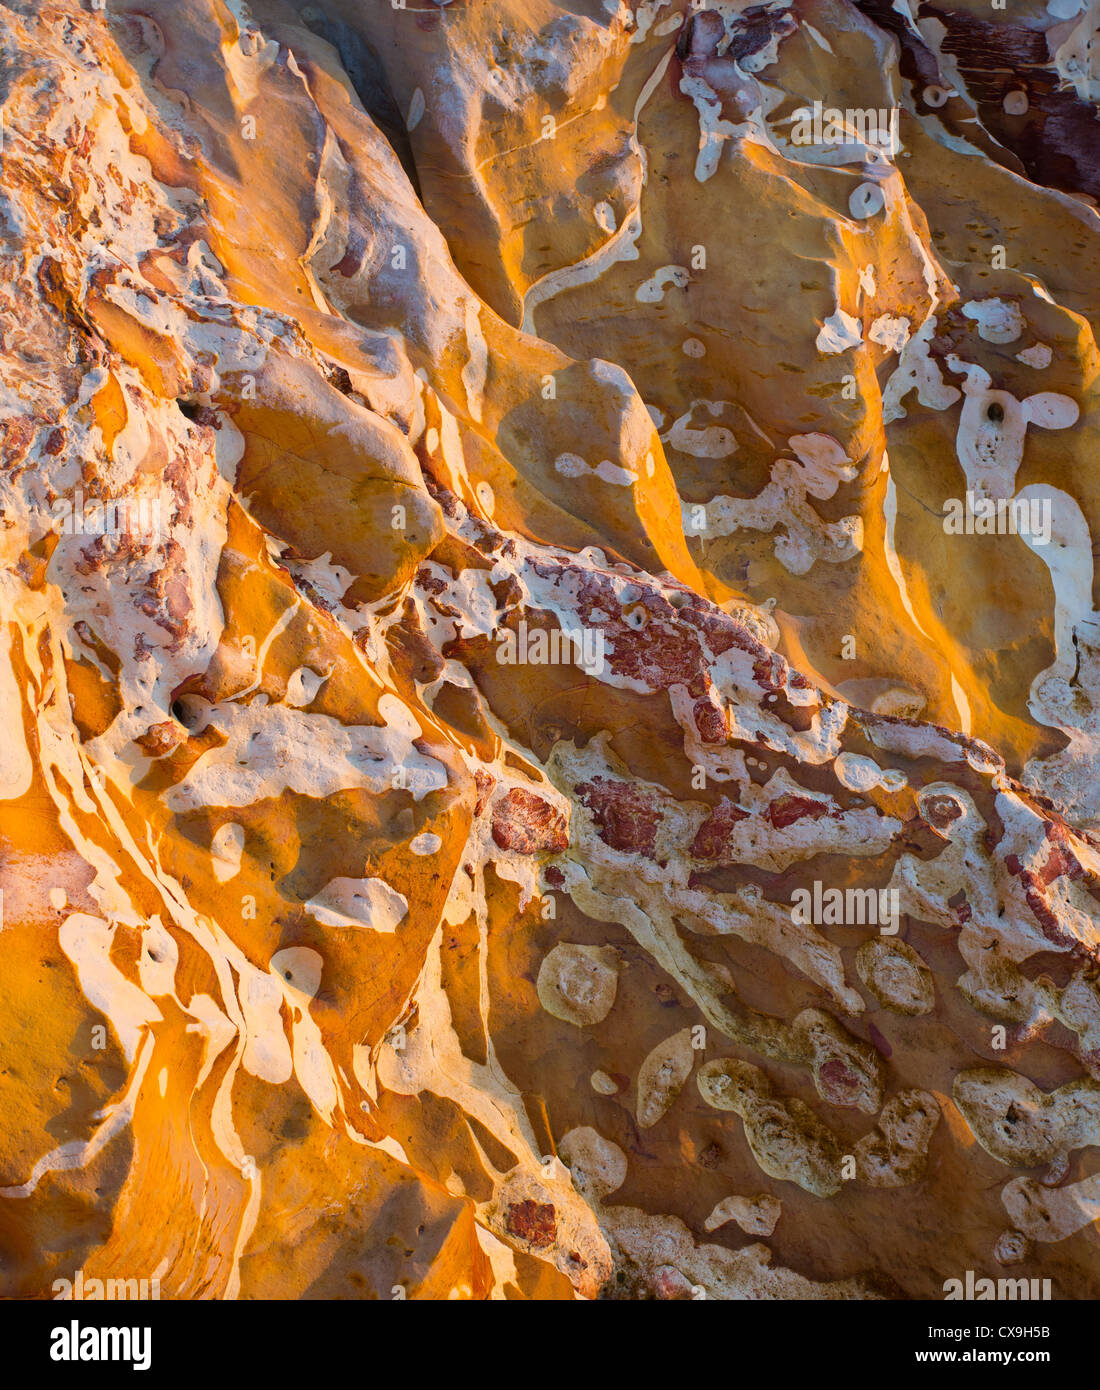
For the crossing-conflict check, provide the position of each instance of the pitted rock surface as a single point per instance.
(477, 549)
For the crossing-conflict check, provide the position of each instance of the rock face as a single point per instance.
(550, 681)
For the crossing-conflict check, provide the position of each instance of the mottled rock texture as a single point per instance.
(549, 677)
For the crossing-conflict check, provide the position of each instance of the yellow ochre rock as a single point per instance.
(548, 662)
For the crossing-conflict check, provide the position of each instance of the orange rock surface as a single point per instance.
(525, 773)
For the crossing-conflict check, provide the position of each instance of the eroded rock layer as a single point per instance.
(549, 672)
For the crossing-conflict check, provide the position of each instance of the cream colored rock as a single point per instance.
(662, 1075)
(577, 983)
(896, 976)
(757, 1216)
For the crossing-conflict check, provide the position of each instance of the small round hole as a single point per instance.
(995, 412)
(187, 712)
